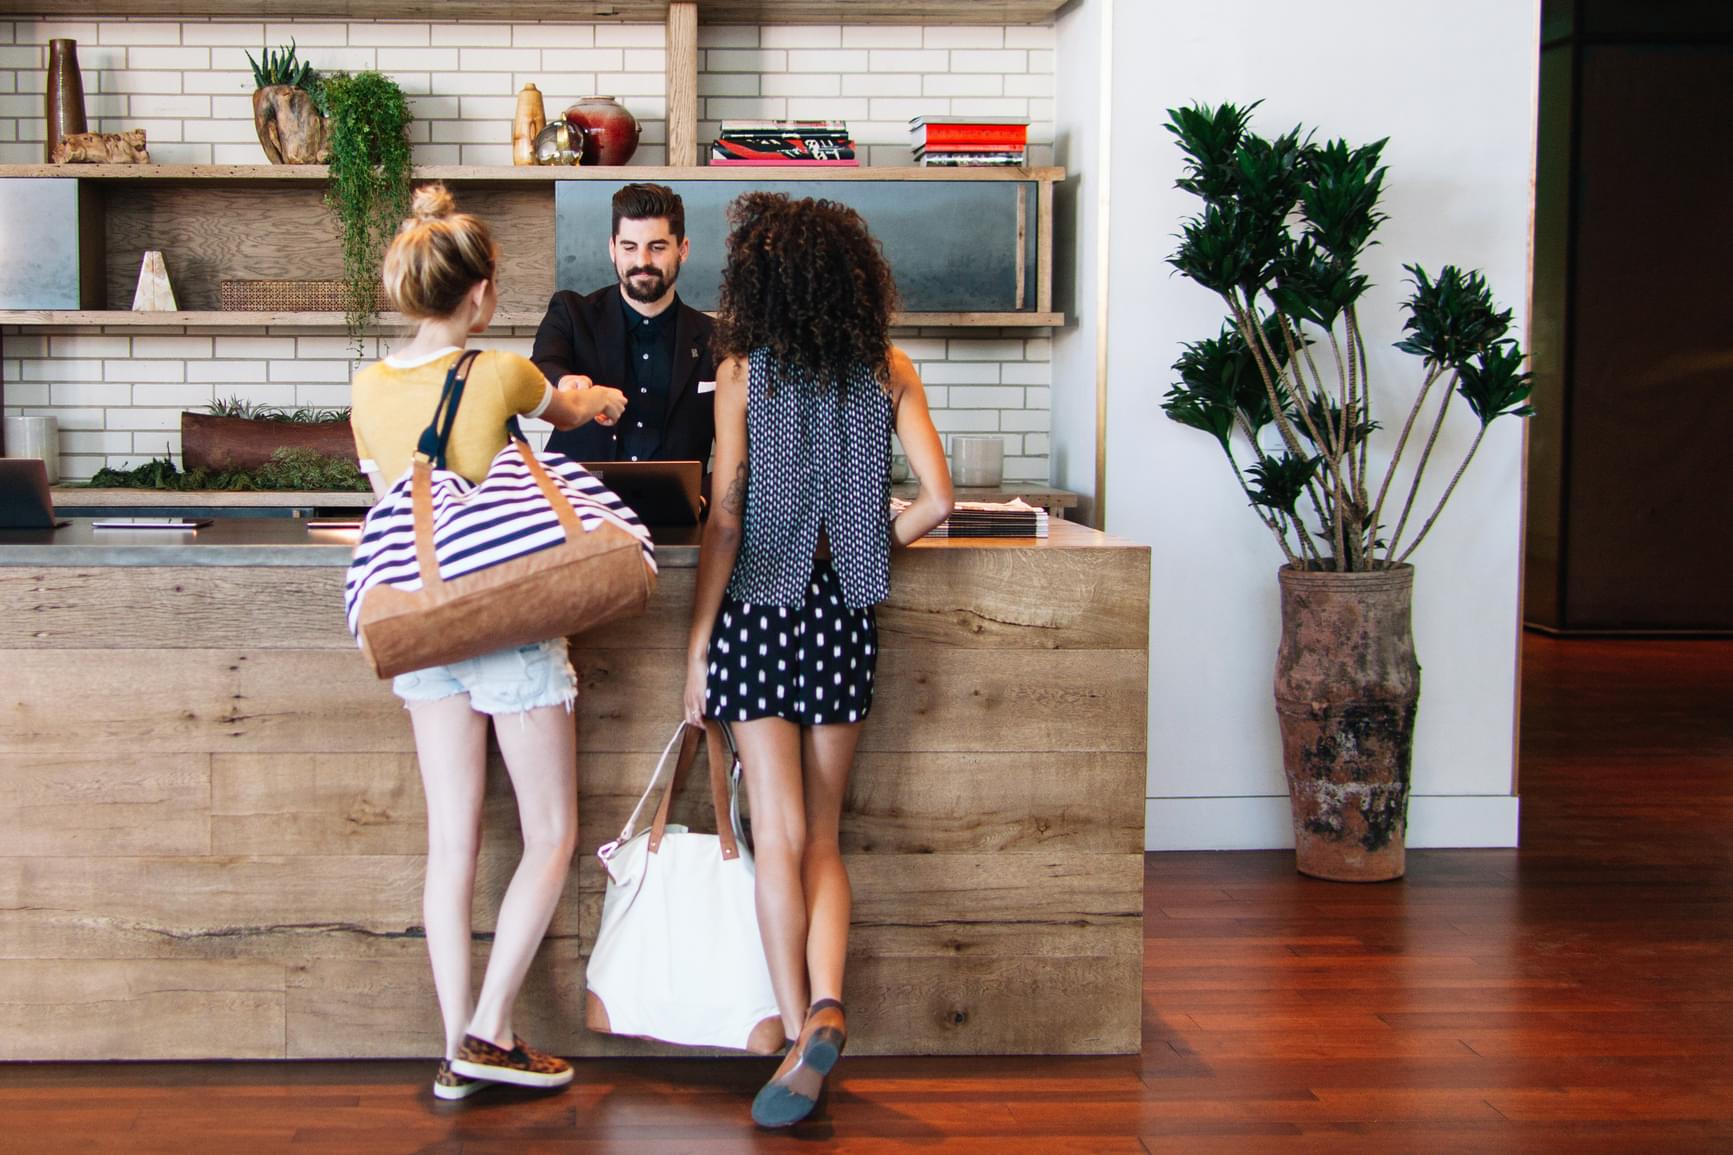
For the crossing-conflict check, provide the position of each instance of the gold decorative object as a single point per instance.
(559, 143)
(531, 118)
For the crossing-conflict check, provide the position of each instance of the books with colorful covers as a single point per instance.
(784, 142)
(1014, 518)
(969, 141)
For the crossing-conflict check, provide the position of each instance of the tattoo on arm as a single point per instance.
(734, 501)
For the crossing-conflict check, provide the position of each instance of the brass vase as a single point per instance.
(65, 95)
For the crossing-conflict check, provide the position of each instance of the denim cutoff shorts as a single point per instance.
(508, 681)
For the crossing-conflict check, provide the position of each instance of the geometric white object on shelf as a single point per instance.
(154, 294)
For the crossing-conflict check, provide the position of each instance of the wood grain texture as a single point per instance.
(250, 175)
(639, 11)
(682, 87)
(237, 792)
(1571, 995)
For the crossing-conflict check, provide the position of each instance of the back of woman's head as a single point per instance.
(437, 256)
(807, 281)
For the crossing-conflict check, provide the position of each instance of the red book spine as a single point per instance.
(999, 134)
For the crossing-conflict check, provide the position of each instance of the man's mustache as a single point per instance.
(644, 272)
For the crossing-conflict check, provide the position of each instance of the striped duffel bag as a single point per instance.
(447, 570)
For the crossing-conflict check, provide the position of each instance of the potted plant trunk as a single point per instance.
(235, 435)
(288, 109)
(1284, 390)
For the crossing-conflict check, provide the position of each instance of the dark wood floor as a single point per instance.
(1575, 996)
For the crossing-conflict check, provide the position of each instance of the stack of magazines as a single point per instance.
(969, 141)
(784, 142)
(1012, 518)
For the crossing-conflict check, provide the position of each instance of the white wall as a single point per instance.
(1452, 83)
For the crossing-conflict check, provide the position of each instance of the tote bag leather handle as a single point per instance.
(724, 782)
(430, 453)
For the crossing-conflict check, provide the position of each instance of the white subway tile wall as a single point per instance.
(118, 392)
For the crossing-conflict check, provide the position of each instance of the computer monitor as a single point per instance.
(25, 502)
(659, 492)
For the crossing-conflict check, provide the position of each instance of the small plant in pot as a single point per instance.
(369, 182)
(288, 107)
(1284, 388)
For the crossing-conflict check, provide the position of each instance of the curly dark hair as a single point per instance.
(807, 281)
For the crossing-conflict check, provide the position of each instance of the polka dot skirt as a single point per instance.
(812, 665)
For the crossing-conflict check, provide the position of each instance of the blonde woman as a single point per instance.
(440, 271)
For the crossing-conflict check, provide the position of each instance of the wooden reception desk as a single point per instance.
(211, 826)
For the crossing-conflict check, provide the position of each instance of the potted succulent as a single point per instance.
(1283, 388)
(369, 181)
(288, 107)
(238, 435)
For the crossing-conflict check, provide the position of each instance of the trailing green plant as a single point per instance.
(280, 66)
(251, 411)
(288, 469)
(369, 182)
(1280, 237)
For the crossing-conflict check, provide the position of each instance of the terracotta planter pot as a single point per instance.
(290, 129)
(610, 132)
(1347, 686)
(213, 442)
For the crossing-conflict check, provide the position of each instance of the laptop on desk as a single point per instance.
(25, 502)
(659, 492)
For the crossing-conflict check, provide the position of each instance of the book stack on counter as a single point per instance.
(969, 141)
(1012, 518)
(817, 143)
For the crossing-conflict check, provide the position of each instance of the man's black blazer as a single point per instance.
(586, 334)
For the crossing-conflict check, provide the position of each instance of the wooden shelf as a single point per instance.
(634, 11)
(514, 174)
(234, 319)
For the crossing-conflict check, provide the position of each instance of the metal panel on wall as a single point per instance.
(967, 246)
(39, 243)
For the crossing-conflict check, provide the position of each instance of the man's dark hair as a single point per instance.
(641, 202)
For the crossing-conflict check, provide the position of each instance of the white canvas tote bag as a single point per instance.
(678, 958)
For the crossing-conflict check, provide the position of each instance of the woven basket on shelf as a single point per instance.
(282, 296)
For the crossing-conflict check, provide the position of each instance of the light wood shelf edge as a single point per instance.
(525, 174)
(234, 319)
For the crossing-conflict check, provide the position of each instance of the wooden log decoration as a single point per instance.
(290, 128)
(212, 442)
(102, 148)
(154, 293)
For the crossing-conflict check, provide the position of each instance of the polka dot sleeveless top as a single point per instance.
(817, 458)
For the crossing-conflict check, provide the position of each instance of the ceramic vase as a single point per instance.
(65, 95)
(610, 131)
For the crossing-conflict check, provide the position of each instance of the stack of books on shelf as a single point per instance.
(822, 143)
(969, 141)
(1012, 518)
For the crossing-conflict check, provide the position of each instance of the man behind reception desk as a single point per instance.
(638, 337)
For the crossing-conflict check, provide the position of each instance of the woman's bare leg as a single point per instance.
(827, 753)
(451, 746)
(540, 748)
(770, 763)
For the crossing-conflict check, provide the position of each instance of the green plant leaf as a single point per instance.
(369, 181)
(1452, 319)
(1278, 482)
(1495, 385)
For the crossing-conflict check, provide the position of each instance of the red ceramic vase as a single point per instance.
(610, 132)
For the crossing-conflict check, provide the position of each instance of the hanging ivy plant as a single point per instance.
(369, 182)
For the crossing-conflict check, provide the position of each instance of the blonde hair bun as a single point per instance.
(431, 202)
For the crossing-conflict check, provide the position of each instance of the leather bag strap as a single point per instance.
(430, 453)
(689, 738)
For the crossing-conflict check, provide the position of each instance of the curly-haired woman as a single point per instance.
(795, 556)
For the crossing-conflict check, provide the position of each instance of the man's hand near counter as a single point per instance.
(577, 401)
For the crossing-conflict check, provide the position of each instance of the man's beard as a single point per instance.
(653, 289)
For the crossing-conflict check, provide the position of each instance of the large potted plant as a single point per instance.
(369, 182)
(288, 107)
(1284, 389)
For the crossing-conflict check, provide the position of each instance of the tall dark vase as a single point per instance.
(1347, 686)
(65, 98)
